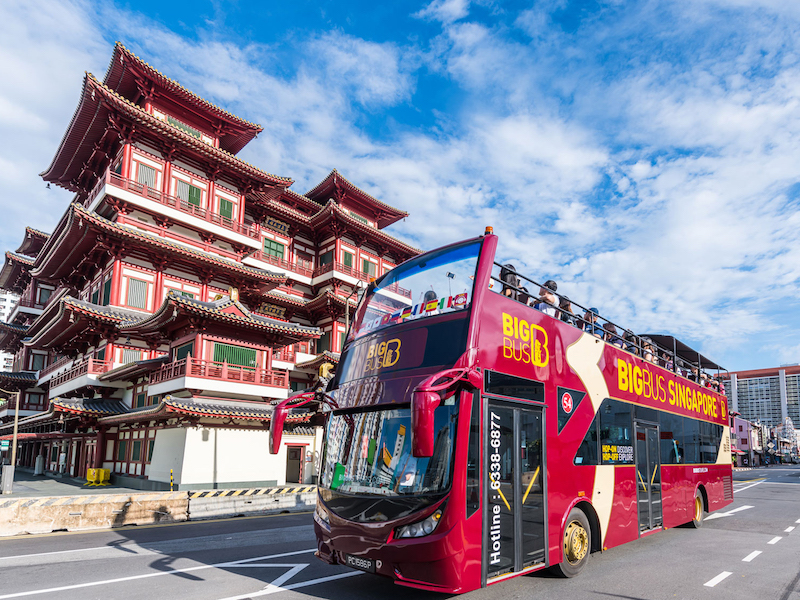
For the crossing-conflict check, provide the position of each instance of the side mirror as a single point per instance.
(276, 427)
(423, 404)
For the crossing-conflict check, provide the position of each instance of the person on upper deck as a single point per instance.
(631, 343)
(648, 352)
(611, 335)
(508, 275)
(547, 302)
(590, 323)
(565, 310)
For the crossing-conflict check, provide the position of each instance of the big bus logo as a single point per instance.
(382, 355)
(524, 342)
(566, 402)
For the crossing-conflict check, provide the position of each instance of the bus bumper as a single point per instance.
(436, 562)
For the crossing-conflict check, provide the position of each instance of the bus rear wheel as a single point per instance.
(697, 510)
(577, 544)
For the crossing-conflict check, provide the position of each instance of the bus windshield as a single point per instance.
(369, 453)
(432, 284)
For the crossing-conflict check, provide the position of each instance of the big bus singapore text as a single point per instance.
(421, 480)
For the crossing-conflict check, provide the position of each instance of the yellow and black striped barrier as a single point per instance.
(303, 489)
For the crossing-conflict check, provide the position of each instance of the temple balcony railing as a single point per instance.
(88, 366)
(344, 269)
(299, 268)
(54, 366)
(218, 376)
(250, 230)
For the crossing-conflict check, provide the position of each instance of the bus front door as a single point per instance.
(648, 476)
(514, 533)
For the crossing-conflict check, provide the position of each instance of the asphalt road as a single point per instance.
(751, 550)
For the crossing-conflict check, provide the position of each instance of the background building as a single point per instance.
(8, 300)
(182, 294)
(766, 395)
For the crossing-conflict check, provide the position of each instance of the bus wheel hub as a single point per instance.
(698, 509)
(576, 542)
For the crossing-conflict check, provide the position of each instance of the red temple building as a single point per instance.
(180, 295)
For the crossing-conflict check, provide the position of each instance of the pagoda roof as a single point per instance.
(15, 274)
(332, 212)
(326, 299)
(66, 320)
(336, 187)
(11, 335)
(226, 310)
(319, 360)
(126, 73)
(96, 407)
(33, 242)
(204, 407)
(97, 109)
(76, 237)
(18, 380)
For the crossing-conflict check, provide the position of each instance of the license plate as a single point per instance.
(357, 562)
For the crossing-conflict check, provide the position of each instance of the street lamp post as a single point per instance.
(8, 470)
(347, 306)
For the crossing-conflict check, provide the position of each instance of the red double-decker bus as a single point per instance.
(472, 438)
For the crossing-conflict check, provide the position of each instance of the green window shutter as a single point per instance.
(187, 294)
(136, 450)
(194, 195)
(369, 267)
(96, 297)
(137, 293)
(184, 351)
(122, 450)
(225, 208)
(235, 355)
(324, 342)
(141, 400)
(107, 292)
(274, 248)
(347, 258)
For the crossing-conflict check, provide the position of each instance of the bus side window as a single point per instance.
(691, 441)
(474, 457)
(671, 439)
(587, 452)
(616, 427)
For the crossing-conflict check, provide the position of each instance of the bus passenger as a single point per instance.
(631, 343)
(548, 302)
(666, 361)
(590, 323)
(611, 335)
(508, 275)
(648, 350)
(565, 310)
(525, 297)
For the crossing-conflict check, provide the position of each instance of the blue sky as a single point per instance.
(645, 155)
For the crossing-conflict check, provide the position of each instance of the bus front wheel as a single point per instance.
(697, 510)
(577, 544)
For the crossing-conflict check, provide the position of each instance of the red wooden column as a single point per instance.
(116, 281)
(126, 160)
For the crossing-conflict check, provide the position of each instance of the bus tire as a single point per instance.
(576, 544)
(697, 510)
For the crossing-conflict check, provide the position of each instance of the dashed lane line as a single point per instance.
(751, 556)
(775, 540)
(788, 530)
(798, 521)
(747, 487)
(58, 552)
(722, 576)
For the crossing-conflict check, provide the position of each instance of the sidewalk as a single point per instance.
(26, 485)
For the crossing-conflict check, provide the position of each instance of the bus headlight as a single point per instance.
(321, 516)
(420, 528)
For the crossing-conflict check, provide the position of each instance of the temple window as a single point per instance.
(274, 248)
(368, 267)
(146, 175)
(183, 351)
(347, 258)
(37, 361)
(188, 193)
(137, 293)
(130, 355)
(324, 342)
(43, 295)
(226, 208)
(106, 298)
(235, 355)
(305, 260)
(326, 259)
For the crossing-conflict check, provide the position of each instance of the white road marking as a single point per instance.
(58, 552)
(747, 487)
(729, 513)
(788, 530)
(157, 574)
(775, 540)
(798, 521)
(717, 579)
(751, 556)
(272, 589)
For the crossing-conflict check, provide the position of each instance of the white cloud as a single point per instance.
(445, 11)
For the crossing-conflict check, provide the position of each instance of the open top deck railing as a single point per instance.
(622, 338)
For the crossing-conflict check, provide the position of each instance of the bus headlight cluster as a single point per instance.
(321, 516)
(420, 528)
